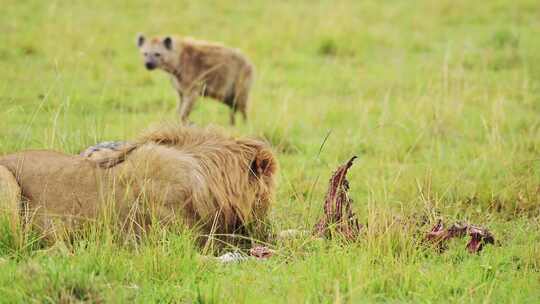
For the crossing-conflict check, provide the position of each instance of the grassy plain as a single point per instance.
(440, 100)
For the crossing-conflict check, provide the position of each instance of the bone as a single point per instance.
(338, 215)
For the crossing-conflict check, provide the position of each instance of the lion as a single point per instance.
(171, 174)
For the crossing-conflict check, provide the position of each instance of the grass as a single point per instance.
(440, 99)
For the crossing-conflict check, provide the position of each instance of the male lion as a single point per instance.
(197, 176)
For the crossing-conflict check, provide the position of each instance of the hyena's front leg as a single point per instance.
(188, 100)
(178, 88)
(180, 101)
(10, 197)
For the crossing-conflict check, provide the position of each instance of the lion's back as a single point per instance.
(55, 183)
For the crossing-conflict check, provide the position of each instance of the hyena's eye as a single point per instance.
(145, 54)
(157, 54)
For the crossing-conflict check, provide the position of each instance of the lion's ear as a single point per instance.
(264, 163)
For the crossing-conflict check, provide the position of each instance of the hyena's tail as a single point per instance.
(10, 197)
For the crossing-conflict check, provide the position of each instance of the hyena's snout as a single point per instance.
(150, 65)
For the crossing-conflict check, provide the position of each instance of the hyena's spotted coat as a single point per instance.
(200, 68)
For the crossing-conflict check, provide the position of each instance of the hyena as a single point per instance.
(200, 68)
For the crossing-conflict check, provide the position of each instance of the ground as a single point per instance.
(439, 99)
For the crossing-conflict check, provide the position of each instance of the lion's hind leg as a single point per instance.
(10, 197)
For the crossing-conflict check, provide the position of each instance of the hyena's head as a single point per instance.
(157, 52)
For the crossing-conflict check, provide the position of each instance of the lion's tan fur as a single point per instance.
(199, 176)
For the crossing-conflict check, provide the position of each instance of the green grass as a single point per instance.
(440, 99)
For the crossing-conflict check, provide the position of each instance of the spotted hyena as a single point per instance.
(200, 68)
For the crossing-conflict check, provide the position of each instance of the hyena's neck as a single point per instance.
(173, 70)
(172, 64)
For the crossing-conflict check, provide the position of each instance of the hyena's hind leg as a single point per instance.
(244, 114)
(238, 104)
(10, 197)
(232, 117)
(243, 88)
(242, 104)
(237, 108)
(239, 96)
(232, 102)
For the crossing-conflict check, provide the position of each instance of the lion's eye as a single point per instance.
(157, 54)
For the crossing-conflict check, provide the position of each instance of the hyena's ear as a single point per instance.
(140, 40)
(264, 164)
(167, 42)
